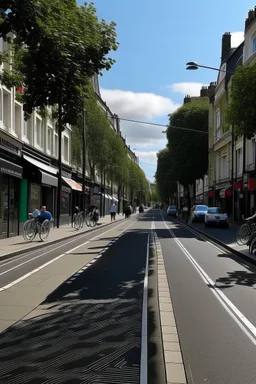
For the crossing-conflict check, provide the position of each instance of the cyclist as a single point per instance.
(95, 213)
(44, 215)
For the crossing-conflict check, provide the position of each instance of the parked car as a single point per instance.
(216, 216)
(172, 211)
(198, 213)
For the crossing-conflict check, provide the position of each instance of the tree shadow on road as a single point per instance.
(88, 330)
(244, 278)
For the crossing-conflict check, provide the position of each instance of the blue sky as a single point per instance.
(157, 38)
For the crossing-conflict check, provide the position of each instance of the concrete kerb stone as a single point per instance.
(174, 367)
(47, 243)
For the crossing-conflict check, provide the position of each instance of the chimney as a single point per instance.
(226, 43)
(211, 90)
(187, 99)
(250, 19)
(204, 92)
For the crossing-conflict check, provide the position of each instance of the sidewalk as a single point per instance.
(16, 245)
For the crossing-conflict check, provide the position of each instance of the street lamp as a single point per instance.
(191, 65)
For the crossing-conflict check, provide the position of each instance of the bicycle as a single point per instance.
(78, 220)
(245, 232)
(32, 227)
(91, 220)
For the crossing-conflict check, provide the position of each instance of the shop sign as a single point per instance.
(222, 186)
(9, 144)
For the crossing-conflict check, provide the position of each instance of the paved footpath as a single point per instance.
(16, 245)
(82, 318)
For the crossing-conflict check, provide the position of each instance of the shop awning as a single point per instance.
(10, 168)
(73, 184)
(40, 165)
(210, 193)
(114, 198)
(238, 185)
(48, 179)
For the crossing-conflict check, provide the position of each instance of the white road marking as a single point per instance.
(59, 257)
(60, 246)
(76, 238)
(144, 327)
(247, 327)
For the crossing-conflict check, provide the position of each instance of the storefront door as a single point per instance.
(9, 200)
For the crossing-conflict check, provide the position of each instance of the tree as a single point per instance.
(165, 180)
(189, 149)
(57, 45)
(242, 111)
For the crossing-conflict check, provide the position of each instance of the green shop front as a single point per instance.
(10, 185)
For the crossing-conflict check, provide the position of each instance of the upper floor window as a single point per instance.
(254, 45)
(66, 149)
(39, 133)
(218, 118)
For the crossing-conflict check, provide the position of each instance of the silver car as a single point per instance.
(198, 213)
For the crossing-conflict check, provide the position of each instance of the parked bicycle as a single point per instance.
(92, 218)
(78, 220)
(245, 231)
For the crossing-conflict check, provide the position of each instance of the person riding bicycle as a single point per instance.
(44, 215)
(95, 213)
(76, 209)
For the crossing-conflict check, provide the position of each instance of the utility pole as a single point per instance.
(59, 161)
(84, 161)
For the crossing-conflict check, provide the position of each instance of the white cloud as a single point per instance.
(137, 105)
(189, 88)
(147, 157)
(236, 38)
(140, 106)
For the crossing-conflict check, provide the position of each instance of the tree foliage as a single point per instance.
(242, 110)
(165, 179)
(57, 46)
(188, 148)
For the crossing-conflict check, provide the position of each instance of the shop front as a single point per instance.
(10, 184)
(40, 183)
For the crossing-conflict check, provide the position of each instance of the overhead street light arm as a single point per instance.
(192, 65)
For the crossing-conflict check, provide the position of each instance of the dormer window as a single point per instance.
(254, 45)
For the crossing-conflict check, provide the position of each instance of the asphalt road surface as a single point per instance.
(91, 329)
(214, 300)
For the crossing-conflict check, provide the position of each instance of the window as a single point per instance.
(49, 139)
(25, 128)
(251, 151)
(55, 145)
(239, 160)
(66, 151)
(254, 45)
(39, 132)
(218, 118)
(223, 167)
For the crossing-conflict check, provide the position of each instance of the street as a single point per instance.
(74, 312)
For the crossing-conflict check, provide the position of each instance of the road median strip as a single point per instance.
(174, 366)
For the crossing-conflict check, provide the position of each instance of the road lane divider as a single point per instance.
(242, 321)
(64, 254)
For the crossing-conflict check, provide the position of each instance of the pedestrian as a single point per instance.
(112, 211)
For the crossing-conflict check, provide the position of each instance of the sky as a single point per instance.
(149, 79)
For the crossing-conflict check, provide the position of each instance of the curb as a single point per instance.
(174, 363)
(45, 244)
(222, 245)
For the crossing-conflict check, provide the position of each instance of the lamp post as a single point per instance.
(191, 65)
(84, 161)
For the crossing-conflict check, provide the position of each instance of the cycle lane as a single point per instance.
(213, 335)
(89, 328)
